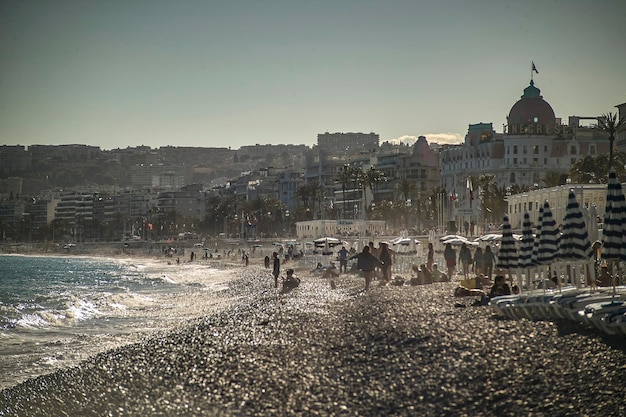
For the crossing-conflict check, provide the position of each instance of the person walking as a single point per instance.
(479, 262)
(465, 259)
(343, 260)
(276, 268)
(367, 263)
(489, 259)
(386, 260)
(450, 257)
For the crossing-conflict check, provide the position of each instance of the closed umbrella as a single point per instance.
(549, 238)
(535, 259)
(575, 244)
(591, 216)
(614, 218)
(527, 243)
(507, 255)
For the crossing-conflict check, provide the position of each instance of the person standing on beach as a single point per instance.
(430, 259)
(343, 260)
(450, 256)
(276, 269)
(367, 263)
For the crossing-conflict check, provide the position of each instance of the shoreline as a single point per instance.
(318, 351)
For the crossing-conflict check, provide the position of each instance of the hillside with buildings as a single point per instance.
(80, 193)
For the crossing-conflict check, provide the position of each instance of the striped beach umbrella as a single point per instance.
(549, 237)
(575, 244)
(535, 258)
(614, 218)
(527, 243)
(507, 255)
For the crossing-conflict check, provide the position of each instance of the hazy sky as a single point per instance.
(120, 73)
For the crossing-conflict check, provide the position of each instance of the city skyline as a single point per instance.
(222, 74)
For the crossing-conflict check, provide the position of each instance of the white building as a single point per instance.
(587, 195)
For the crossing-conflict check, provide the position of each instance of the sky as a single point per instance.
(205, 73)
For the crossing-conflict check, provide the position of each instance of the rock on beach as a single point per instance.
(391, 351)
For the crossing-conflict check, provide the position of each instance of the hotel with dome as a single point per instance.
(534, 144)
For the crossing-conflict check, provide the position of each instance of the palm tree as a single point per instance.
(554, 179)
(302, 192)
(370, 179)
(317, 191)
(345, 176)
(611, 124)
(406, 188)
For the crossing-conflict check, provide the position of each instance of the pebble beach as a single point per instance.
(324, 351)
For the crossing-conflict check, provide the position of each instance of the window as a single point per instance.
(512, 178)
(514, 161)
(524, 150)
(535, 150)
(592, 150)
(514, 149)
(572, 150)
(535, 161)
(545, 148)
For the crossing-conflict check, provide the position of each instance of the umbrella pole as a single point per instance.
(568, 269)
(591, 281)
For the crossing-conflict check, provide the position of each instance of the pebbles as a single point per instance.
(318, 351)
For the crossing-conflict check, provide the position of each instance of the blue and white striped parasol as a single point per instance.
(614, 218)
(549, 237)
(535, 258)
(575, 244)
(507, 255)
(527, 243)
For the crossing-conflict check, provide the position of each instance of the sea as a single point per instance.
(56, 311)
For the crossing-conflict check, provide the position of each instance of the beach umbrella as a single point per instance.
(459, 242)
(614, 218)
(591, 216)
(549, 238)
(525, 260)
(507, 255)
(490, 237)
(575, 244)
(443, 239)
(535, 257)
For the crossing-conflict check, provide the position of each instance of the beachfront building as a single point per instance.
(534, 146)
(341, 144)
(591, 197)
(314, 229)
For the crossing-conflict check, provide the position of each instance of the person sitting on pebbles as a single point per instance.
(291, 281)
(500, 287)
(331, 271)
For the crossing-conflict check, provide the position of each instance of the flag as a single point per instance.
(470, 188)
(535, 68)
